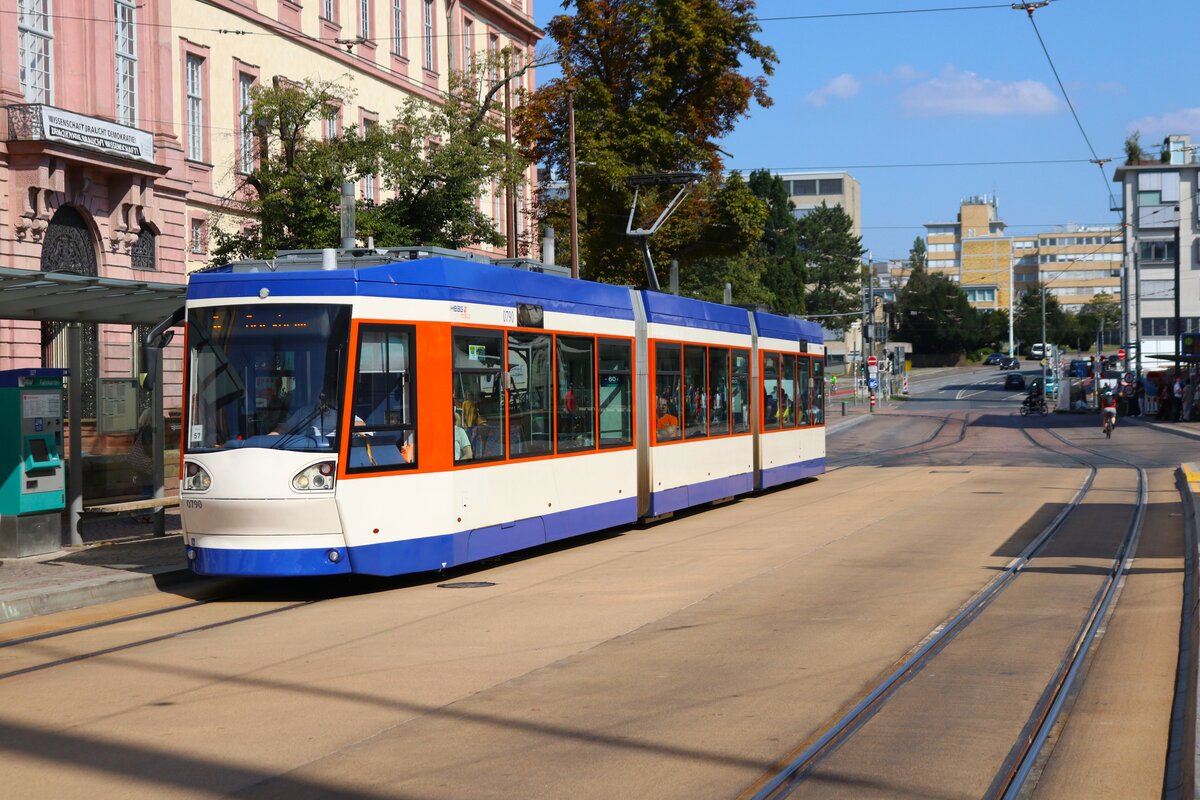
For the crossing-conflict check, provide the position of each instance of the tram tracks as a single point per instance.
(1026, 756)
(914, 448)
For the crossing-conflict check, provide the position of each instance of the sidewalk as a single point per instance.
(120, 558)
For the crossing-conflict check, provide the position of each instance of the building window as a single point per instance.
(1160, 251)
(496, 206)
(197, 237)
(493, 58)
(36, 45)
(126, 47)
(427, 34)
(327, 10)
(468, 40)
(398, 27)
(329, 123)
(1157, 290)
(370, 184)
(195, 107)
(245, 124)
(364, 19)
(830, 186)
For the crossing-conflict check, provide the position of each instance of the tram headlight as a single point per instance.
(195, 477)
(317, 477)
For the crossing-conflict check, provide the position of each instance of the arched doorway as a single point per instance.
(69, 247)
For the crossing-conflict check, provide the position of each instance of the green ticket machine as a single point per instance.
(32, 470)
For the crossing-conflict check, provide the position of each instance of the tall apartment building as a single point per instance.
(1163, 227)
(125, 126)
(807, 190)
(1075, 262)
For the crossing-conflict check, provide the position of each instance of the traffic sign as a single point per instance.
(872, 361)
(1120, 354)
(872, 383)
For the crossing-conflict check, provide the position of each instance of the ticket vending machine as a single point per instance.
(32, 470)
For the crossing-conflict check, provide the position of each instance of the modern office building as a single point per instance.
(1162, 278)
(1075, 262)
(807, 190)
(125, 129)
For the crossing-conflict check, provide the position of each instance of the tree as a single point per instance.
(779, 250)
(1101, 315)
(1027, 317)
(436, 160)
(292, 194)
(918, 256)
(656, 85)
(935, 315)
(832, 263)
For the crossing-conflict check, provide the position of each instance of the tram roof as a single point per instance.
(779, 327)
(68, 297)
(669, 309)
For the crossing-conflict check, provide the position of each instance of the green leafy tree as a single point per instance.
(934, 314)
(833, 268)
(292, 194)
(656, 85)
(778, 252)
(1101, 314)
(918, 255)
(1027, 317)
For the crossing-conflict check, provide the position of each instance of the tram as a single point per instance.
(415, 415)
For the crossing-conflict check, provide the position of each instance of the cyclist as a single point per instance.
(1108, 409)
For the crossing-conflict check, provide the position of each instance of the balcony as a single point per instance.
(37, 122)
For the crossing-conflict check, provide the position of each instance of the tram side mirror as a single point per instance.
(152, 356)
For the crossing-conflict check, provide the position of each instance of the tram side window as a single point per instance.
(802, 391)
(818, 390)
(530, 395)
(695, 388)
(718, 390)
(739, 391)
(384, 432)
(667, 369)
(478, 395)
(576, 406)
(787, 391)
(616, 396)
(770, 391)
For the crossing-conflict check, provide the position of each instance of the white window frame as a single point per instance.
(246, 154)
(327, 8)
(398, 27)
(36, 42)
(364, 19)
(196, 237)
(468, 51)
(427, 33)
(194, 66)
(125, 45)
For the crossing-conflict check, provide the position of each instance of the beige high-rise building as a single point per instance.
(807, 190)
(975, 252)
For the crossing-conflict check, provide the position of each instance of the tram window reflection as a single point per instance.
(803, 399)
(478, 394)
(718, 390)
(771, 391)
(576, 406)
(695, 392)
(787, 390)
(818, 390)
(616, 396)
(668, 369)
(530, 395)
(739, 395)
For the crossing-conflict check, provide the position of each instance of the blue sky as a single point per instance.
(869, 93)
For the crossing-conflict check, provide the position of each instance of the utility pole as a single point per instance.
(1178, 326)
(571, 183)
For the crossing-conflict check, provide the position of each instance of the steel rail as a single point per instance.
(796, 771)
(1019, 765)
(852, 460)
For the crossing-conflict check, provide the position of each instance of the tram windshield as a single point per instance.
(266, 376)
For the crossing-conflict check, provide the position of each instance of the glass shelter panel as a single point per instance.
(478, 394)
(530, 395)
(616, 394)
(576, 406)
(667, 372)
(267, 376)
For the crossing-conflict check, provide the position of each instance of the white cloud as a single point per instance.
(843, 86)
(955, 92)
(1185, 120)
(906, 72)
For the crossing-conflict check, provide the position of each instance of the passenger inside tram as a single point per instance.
(667, 424)
(462, 442)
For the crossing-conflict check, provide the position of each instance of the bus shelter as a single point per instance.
(76, 300)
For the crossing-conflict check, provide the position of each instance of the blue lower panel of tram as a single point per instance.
(669, 500)
(416, 555)
(792, 472)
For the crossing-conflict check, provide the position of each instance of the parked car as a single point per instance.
(1014, 380)
(1010, 362)
(994, 359)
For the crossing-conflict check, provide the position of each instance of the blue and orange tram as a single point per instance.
(417, 415)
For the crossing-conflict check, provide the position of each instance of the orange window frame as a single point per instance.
(652, 344)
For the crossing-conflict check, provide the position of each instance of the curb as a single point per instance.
(1163, 427)
(120, 586)
(1182, 757)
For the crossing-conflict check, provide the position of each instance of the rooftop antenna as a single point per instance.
(685, 181)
